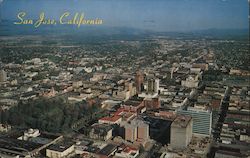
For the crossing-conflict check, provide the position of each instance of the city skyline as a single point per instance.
(124, 78)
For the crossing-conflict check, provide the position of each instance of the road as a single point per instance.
(218, 126)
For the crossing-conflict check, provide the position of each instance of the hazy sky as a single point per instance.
(157, 15)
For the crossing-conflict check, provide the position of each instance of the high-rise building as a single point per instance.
(150, 85)
(129, 86)
(202, 120)
(153, 85)
(143, 131)
(3, 76)
(181, 132)
(136, 131)
(156, 85)
(130, 132)
(139, 79)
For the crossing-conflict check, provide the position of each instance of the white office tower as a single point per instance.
(3, 76)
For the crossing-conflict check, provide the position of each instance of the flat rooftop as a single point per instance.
(18, 145)
(61, 146)
(181, 121)
(107, 150)
(133, 103)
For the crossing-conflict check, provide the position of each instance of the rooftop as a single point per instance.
(62, 146)
(18, 145)
(101, 127)
(181, 121)
(132, 103)
(107, 150)
(111, 118)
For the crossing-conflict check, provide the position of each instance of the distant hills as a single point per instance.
(7, 28)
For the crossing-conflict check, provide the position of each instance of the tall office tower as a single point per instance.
(139, 79)
(153, 85)
(181, 132)
(130, 132)
(150, 85)
(136, 131)
(202, 120)
(156, 85)
(3, 76)
(143, 131)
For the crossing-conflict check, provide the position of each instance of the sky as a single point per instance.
(156, 15)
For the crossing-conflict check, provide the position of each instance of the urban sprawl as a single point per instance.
(155, 97)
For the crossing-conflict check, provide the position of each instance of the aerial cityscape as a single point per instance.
(134, 91)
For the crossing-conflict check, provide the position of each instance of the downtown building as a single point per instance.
(136, 131)
(3, 76)
(139, 79)
(202, 120)
(181, 132)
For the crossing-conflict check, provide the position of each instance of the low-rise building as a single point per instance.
(126, 152)
(60, 150)
(111, 119)
(4, 128)
(101, 131)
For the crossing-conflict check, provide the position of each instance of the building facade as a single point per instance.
(202, 121)
(181, 132)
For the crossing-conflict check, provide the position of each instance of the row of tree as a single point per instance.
(47, 115)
